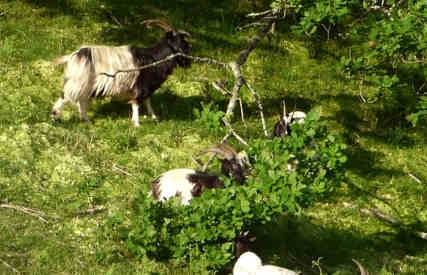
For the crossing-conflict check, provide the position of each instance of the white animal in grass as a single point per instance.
(250, 264)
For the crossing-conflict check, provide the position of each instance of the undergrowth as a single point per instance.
(77, 174)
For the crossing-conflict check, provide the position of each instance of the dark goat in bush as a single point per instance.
(89, 72)
(282, 128)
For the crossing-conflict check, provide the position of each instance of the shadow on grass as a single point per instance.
(296, 242)
(167, 106)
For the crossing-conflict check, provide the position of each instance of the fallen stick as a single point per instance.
(260, 107)
(92, 210)
(9, 266)
(414, 178)
(121, 170)
(382, 216)
(29, 211)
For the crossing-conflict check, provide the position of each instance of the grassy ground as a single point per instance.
(65, 168)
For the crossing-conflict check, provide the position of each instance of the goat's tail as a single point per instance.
(61, 60)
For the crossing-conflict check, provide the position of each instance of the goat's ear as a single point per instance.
(170, 34)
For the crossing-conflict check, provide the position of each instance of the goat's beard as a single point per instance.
(183, 61)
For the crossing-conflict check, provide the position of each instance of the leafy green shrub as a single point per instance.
(205, 229)
(384, 43)
(210, 117)
(421, 114)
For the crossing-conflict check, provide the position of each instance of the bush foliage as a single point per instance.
(205, 229)
(383, 44)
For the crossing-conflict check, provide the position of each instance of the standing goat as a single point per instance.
(90, 72)
(188, 183)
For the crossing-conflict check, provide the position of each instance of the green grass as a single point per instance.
(67, 167)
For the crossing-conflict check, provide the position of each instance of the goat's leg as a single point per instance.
(147, 103)
(135, 113)
(58, 107)
(83, 109)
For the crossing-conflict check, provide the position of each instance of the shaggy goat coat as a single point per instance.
(84, 72)
(184, 183)
(92, 71)
(174, 183)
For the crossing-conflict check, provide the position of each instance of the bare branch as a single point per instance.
(121, 170)
(29, 211)
(197, 162)
(415, 178)
(232, 132)
(260, 107)
(251, 25)
(379, 214)
(92, 210)
(258, 14)
(168, 58)
(253, 42)
(382, 216)
(219, 87)
(242, 114)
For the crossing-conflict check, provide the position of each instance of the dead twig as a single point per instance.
(32, 212)
(166, 59)
(29, 211)
(379, 214)
(9, 266)
(362, 98)
(382, 216)
(197, 162)
(121, 170)
(258, 14)
(260, 107)
(92, 210)
(219, 87)
(251, 25)
(242, 112)
(232, 132)
(414, 178)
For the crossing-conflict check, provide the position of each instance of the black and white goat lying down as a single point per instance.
(188, 183)
(89, 72)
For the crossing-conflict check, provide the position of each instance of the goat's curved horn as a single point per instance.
(184, 33)
(226, 151)
(285, 114)
(362, 270)
(159, 23)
